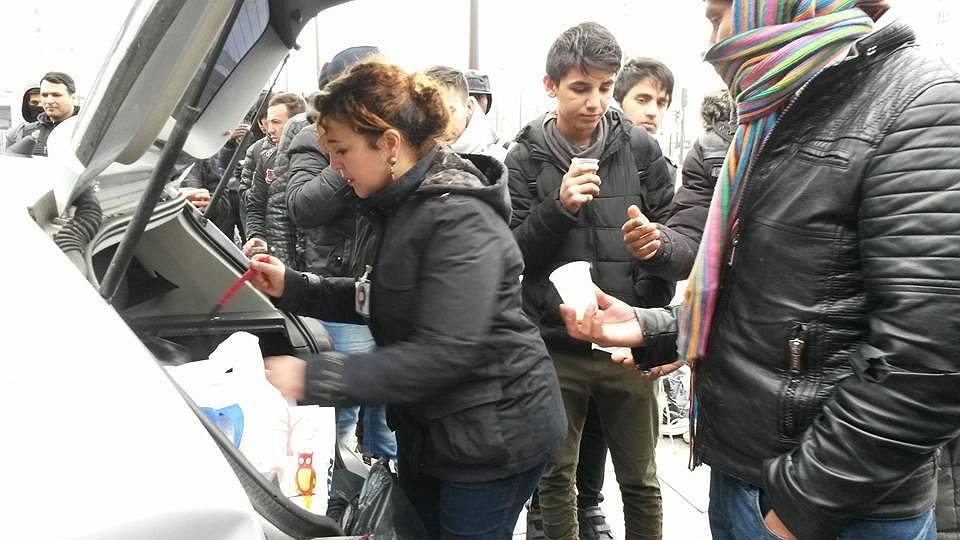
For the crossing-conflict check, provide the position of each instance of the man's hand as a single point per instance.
(772, 521)
(641, 237)
(580, 185)
(199, 197)
(239, 131)
(612, 323)
(269, 275)
(288, 374)
(666, 369)
(255, 246)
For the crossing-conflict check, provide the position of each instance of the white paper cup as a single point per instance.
(575, 286)
(586, 163)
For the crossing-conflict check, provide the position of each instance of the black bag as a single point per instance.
(382, 510)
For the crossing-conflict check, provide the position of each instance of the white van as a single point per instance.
(97, 441)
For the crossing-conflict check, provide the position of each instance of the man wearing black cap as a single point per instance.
(479, 85)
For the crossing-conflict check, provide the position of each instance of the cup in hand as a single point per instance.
(586, 164)
(575, 286)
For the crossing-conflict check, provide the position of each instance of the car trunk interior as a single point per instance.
(181, 268)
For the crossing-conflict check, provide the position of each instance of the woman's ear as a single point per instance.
(390, 142)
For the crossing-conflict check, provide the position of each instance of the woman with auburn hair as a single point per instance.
(470, 389)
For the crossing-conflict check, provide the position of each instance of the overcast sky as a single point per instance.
(514, 38)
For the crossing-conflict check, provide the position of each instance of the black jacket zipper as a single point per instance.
(795, 345)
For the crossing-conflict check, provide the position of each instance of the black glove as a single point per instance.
(324, 384)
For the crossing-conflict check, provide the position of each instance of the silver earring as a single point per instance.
(393, 162)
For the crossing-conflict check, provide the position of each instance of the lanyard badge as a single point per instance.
(362, 294)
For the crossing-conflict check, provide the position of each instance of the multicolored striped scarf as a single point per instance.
(777, 47)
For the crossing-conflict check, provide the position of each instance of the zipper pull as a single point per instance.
(366, 274)
(736, 240)
(796, 347)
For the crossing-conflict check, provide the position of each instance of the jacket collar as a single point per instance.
(533, 136)
(890, 34)
(400, 189)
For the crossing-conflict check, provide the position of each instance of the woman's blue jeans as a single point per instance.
(378, 440)
(471, 510)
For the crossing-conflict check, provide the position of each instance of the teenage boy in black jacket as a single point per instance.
(562, 213)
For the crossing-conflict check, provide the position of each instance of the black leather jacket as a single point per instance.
(831, 375)
(948, 485)
(832, 371)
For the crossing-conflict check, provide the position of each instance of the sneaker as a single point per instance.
(593, 524)
(534, 523)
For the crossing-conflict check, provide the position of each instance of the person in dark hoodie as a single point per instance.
(58, 99)
(464, 373)
(564, 211)
(32, 104)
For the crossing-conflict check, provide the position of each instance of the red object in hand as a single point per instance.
(232, 291)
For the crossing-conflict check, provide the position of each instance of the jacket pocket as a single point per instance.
(793, 400)
(836, 159)
(464, 428)
(394, 298)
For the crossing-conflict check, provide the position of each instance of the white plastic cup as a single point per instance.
(575, 286)
(586, 163)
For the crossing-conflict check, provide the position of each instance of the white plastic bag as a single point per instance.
(307, 472)
(234, 375)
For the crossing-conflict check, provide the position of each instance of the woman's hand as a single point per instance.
(269, 275)
(612, 323)
(288, 374)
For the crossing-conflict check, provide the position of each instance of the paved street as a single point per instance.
(685, 496)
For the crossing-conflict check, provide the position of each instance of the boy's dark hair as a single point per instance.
(294, 103)
(59, 77)
(638, 69)
(449, 77)
(716, 108)
(587, 45)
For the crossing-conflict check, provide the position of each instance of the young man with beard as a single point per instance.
(563, 211)
(821, 319)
